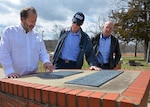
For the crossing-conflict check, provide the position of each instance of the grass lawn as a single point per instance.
(125, 62)
(125, 66)
(139, 59)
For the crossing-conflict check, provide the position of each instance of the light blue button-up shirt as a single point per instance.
(71, 47)
(20, 52)
(104, 49)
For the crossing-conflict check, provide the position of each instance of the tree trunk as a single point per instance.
(145, 49)
(135, 50)
(148, 53)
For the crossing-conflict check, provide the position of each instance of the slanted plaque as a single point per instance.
(96, 79)
(58, 74)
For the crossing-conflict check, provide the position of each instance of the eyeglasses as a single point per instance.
(76, 23)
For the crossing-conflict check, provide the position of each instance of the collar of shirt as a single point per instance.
(21, 27)
(104, 37)
(75, 34)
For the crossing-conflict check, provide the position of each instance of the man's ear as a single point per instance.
(102, 27)
(22, 19)
(81, 24)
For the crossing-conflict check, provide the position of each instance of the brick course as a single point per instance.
(15, 93)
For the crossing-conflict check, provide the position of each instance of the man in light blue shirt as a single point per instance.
(21, 48)
(106, 47)
(73, 45)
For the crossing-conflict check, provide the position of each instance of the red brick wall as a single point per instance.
(15, 93)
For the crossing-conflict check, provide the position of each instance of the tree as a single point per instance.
(95, 27)
(56, 30)
(132, 23)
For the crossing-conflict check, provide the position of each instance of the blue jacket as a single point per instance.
(86, 48)
(115, 53)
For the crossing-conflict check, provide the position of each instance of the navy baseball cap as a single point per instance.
(78, 18)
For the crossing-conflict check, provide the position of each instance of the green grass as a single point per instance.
(125, 64)
(149, 98)
(140, 59)
(41, 69)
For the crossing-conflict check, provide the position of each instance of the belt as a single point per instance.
(105, 64)
(67, 61)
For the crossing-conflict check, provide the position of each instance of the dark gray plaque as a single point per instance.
(57, 75)
(96, 79)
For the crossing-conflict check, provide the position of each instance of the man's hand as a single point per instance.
(95, 68)
(118, 66)
(48, 66)
(13, 75)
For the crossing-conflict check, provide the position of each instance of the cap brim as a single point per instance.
(76, 21)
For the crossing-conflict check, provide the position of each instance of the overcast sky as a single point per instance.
(51, 12)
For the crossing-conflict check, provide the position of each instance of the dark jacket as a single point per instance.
(86, 48)
(115, 53)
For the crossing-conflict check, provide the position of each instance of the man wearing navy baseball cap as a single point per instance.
(72, 45)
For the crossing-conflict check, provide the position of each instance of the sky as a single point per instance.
(54, 12)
